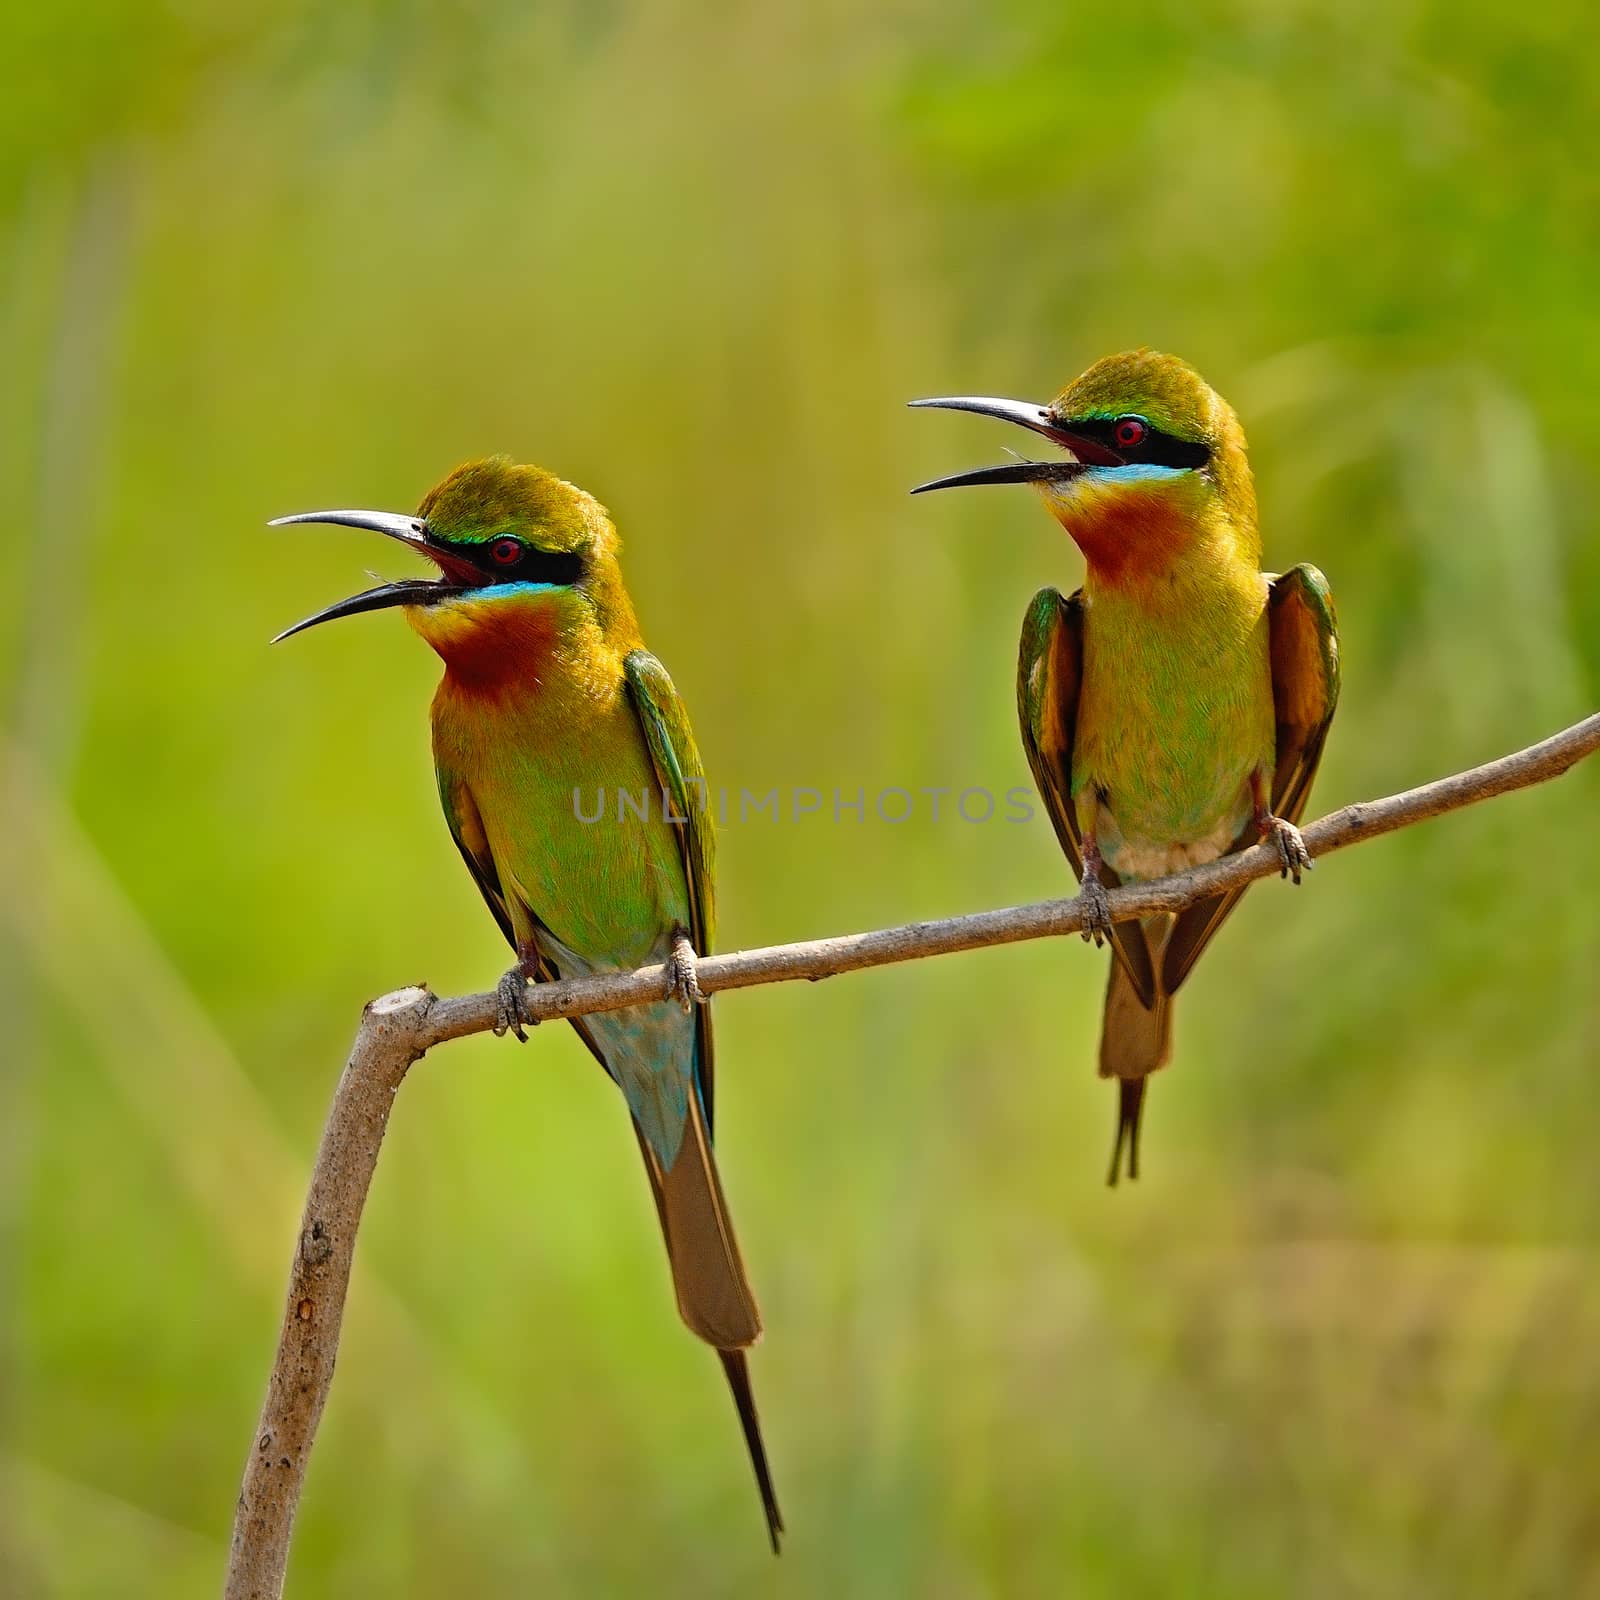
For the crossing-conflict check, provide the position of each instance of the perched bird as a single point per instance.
(1174, 708)
(548, 696)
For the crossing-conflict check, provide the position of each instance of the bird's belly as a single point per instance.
(606, 881)
(1135, 857)
(609, 891)
(1168, 812)
(1165, 751)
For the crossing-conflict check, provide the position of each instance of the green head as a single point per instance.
(506, 540)
(1155, 456)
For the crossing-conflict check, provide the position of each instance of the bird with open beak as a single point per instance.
(1174, 708)
(549, 693)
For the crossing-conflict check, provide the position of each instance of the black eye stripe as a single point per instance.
(1157, 449)
(561, 568)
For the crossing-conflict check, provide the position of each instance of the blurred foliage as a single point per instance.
(1338, 1341)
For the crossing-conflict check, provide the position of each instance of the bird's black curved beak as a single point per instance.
(457, 575)
(1039, 419)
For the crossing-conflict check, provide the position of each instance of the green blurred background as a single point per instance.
(1341, 1340)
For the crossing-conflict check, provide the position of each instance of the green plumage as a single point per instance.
(1174, 709)
(572, 787)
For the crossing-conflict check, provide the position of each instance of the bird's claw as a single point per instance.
(512, 1014)
(1287, 840)
(683, 983)
(1095, 906)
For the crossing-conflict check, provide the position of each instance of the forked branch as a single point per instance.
(400, 1028)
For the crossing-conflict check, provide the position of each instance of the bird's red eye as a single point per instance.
(1129, 433)
(506, 552)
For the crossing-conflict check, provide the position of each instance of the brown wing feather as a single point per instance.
(1304, 644)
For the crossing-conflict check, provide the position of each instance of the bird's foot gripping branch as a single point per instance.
(399, 1028)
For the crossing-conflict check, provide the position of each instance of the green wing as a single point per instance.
(665, 725)
(1049, 674)
(1305, 693)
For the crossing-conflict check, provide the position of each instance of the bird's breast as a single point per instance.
(571, 809)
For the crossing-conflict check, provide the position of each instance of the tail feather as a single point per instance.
(1135, 1040)
(708, 1275)
(1130, 1114)
(737, 1369)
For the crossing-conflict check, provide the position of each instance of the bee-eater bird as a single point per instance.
(549, 694)
(1174, 708)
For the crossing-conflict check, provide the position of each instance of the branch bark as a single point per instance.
(393, 1034)
(400, 1028)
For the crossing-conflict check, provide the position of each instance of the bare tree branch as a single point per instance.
(391, 1037)
(399, 1028)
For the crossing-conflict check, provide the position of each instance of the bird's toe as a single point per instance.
(511, 1012)
(1096, 907)
(683, 981)
(1293, 856)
